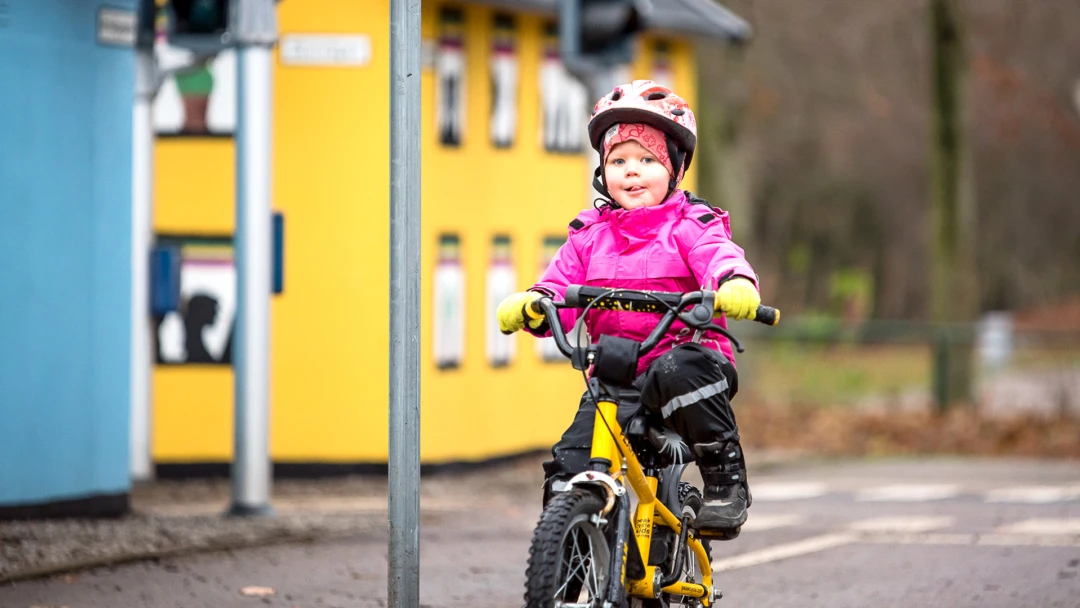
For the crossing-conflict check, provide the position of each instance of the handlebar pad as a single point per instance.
(580, 296)
(767, 315)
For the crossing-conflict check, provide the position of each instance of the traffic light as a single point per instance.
(200, 17)
(199, 25)
(146, 30)
(598, 34)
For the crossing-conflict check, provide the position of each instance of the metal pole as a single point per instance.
(404, 456)
(142, 196)
(251, 473)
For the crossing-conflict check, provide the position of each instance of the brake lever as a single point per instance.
(723, 332)
(713, 327)
(698, 317)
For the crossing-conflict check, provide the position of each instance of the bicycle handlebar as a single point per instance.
(670, 303)
(580, 296)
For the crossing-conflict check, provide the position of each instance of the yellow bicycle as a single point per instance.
(593, 548)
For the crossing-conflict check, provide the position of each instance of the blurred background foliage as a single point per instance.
(816, 136)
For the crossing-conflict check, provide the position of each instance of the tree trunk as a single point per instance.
(952, 203)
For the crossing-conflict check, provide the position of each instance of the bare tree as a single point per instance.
(830, 109)
(954, 293)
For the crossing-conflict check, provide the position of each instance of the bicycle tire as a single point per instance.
(567, 532)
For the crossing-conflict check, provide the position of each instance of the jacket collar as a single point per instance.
(644, 222)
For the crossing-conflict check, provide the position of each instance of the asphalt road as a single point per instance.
(944, 532)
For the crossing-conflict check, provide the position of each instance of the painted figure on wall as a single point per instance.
(504, 83)
(199, 95)
(449, 309)
(501, 282)
(563, 100)
(199, 99)
(201, 331)
(195, 85)
(450, 77)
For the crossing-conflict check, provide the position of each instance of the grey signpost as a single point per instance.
(404, 457)
(253, 26)
(142, 193)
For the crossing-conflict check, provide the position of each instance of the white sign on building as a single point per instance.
(353, 50)
(116, 27)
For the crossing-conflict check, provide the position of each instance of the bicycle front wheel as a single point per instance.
(569, 559)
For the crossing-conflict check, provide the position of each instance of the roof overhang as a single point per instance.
(704, 18)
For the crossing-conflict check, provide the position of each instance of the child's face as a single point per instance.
(635, 178)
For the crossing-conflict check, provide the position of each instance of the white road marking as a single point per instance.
(1027, 540)
(936, 538)
(781, 491)
(902, 524)
(1066, 527)
(982, 540)
(908, 493)
(757, 523)
(779, 552)
(1034, 494)
(903, 530)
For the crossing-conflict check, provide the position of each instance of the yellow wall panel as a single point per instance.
(193, 414)
(193, 185)
(329, 368)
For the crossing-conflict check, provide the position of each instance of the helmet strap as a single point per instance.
(676, 154)
(672, 185)
(678, 157)
(600, 184)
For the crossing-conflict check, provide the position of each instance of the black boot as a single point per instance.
(727, 494)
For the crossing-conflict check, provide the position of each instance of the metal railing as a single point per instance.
(901, 365)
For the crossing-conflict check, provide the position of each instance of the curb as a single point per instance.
(214, 546)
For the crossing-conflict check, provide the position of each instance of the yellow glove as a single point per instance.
(738, 299)
(513, 310)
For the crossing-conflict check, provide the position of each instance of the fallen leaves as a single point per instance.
(257, 591)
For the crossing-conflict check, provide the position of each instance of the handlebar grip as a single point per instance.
(535, 309)
(767, 315)
(531, 309)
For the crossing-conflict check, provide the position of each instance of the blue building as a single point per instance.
(66, 91)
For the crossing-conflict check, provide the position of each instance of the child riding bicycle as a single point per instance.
(649, 235)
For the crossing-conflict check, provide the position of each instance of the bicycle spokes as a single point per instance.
(583, 565)
(584, 577)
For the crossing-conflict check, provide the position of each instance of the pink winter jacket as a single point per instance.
(680, 245)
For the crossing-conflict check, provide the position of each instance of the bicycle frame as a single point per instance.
(650, 510)
(610, 445)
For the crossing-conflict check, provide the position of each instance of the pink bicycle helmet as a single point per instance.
(647, 102)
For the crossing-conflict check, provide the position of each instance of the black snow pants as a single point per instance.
(690, 387)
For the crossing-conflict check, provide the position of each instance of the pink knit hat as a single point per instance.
(652, 139)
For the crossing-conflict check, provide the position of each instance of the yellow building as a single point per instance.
(503, 173)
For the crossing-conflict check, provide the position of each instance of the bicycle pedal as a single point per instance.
(729, 534)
